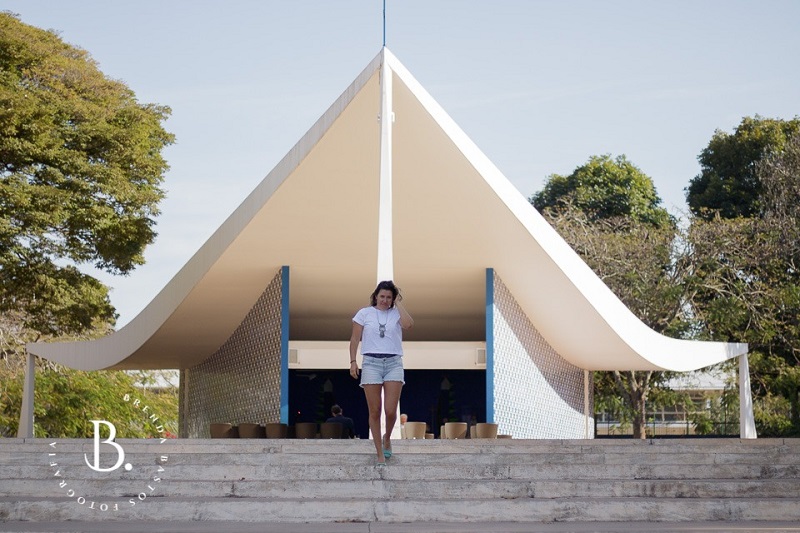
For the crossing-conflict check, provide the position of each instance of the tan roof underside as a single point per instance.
(454, 216)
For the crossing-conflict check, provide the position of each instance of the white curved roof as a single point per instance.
(454, 215)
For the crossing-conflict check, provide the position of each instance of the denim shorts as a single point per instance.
(375, 371)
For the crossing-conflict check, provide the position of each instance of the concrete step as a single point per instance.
(594, 509)
(294, 481)
(522, 446)
(775, 451)
(419, 455)
(366, 471)
(413, 489)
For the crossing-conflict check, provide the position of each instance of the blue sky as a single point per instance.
(540, 86)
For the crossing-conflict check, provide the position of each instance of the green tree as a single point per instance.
(604, 188)
(637, 261)
(67, 400)
(728, 184)
(609, 212)
(80, 175)
(748, 287)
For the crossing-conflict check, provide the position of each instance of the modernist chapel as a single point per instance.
(509, 320)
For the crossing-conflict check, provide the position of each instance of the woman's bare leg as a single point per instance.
(373, 394)
(391, 397)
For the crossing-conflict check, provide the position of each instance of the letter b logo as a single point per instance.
(110, 440)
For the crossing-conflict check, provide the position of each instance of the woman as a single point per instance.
(379, 328)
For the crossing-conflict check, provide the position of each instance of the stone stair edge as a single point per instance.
(706, 441)
(422, 473)
(407, 460)
(202, 499)
(465, 446)
(446, 489)
(568, 509)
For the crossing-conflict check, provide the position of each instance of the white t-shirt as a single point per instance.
(371, 341)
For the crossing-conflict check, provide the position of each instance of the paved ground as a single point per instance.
(382, 527)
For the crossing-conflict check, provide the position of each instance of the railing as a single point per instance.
(656, 429)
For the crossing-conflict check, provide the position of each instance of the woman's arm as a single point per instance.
(406, 322)
(355, 338)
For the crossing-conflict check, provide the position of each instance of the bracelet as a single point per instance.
(353, 361)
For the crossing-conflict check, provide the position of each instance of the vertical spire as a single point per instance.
(385, 246)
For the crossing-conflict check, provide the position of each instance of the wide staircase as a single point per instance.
(505, 480)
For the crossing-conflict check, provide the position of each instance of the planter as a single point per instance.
(455, 430)
(415, 430)
(248, 430)
(276, 430)
(221, 430)
(305, 430)
(485, 430)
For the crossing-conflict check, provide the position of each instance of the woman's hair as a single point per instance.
(389, 286)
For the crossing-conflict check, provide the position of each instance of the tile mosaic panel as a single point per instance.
(241, 382)
(537, 393)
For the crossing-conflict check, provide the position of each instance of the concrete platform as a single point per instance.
(406, 527)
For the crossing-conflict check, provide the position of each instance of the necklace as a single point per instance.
(381, 327)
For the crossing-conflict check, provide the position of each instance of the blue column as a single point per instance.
(285, 344)
(490, 345)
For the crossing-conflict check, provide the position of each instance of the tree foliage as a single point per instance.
(67, 400)
(734, 272)
(729, 184)
(80, 175)
(748, 287)
(605, 188)
(609, 212)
